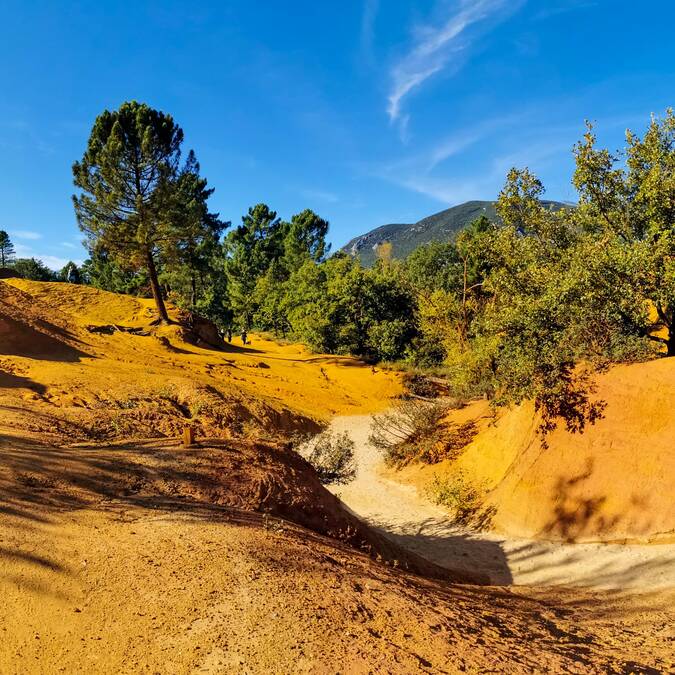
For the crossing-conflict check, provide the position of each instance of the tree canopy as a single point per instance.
(138, 203)
(6, 249)
(524, 306)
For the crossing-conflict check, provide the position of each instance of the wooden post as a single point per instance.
(188, 436)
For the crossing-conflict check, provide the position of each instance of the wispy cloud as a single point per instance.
(437, 48)
(555, 9)
(456, 143)
(417, 169)
(54, 262)
(26, 234)
(441, 172)
(370, 9)
(320, 195)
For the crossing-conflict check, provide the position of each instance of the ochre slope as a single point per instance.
(145, 556)
(613, 482)
(91, 364)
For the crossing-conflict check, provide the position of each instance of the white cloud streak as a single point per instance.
(25, 234)
(320, 195)
(455, 182)
(370, 9)
(54, 262)
(436, 48)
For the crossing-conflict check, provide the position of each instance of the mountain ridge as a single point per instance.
(440, 226)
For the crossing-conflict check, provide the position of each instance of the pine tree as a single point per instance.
(6, 249)
(129, 178)
(251, 248)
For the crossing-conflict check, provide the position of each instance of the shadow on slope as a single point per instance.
(460, 551)
(28, 329)
(37, 479)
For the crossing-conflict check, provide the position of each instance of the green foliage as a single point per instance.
(447, 280)
(250, 250)
(70, 273)
(137, 202)
(35, 270)
(530, 306)
(434, 266)
(270, 299)
(631, 208)
(6, 249)
(463, 499)
(101, 271)
(305, 237)
(522, 299)
(190, 266)
(261, 255)
(340, 307)
(332, 456)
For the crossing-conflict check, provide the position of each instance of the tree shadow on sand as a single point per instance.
(463, 551)
(49, 342)
(12, 381)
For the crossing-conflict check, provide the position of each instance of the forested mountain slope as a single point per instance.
(406, 237)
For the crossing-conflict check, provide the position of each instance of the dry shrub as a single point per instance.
(419, 385)
(332, 456)
(463, 499)
(418, 430)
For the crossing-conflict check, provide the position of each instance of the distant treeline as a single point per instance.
(524, 308)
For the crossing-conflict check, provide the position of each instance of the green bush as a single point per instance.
(332, 456)
(463, 499)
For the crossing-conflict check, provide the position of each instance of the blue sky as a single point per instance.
(366, 111)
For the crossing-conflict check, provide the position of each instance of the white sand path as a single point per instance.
(417, 524)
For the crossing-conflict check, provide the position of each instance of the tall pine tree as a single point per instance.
(129, 177)
(6, 249)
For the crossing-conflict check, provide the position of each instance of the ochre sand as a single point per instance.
(407, 516)
(125, 557)
(614, 483)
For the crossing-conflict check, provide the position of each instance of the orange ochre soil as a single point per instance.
(121, 551)
(615, 482)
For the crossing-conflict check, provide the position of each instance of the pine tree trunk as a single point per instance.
(671, 341)
(156, 290)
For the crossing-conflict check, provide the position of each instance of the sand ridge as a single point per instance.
(119, 384)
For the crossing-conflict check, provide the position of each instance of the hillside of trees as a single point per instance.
(443, 226)
(525, 305)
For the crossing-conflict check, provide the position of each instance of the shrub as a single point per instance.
(415, 430)
(332, 456)
(463, 499)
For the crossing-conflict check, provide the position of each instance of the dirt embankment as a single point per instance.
(85, 363)
(140, 555)
(147, 556)
(254, 476)
(414, 522)
(614, 483)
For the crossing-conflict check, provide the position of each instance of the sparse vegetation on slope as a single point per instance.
(332, 456)
(416, 430)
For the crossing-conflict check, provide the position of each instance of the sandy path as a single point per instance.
(406, 517)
